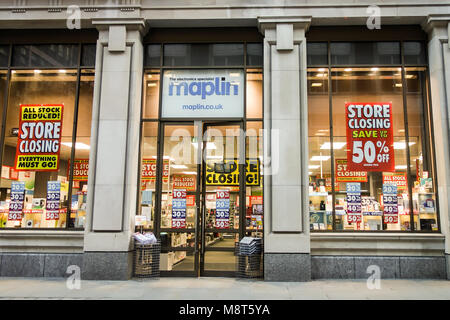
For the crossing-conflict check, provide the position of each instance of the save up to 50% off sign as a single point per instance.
(370, 136)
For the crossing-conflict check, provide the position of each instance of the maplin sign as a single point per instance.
(203, 94)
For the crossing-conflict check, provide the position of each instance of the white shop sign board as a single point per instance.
(196, 94)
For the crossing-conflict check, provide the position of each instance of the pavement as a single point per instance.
(222, 289)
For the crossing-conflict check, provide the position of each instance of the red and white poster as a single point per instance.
(39, 138)
(343, 174)
(9, 173)
(190, 200)
(370, 137)
(397, 178)
(181, 181)
(255, 200)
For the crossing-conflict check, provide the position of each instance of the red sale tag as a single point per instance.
(223, 194)
(370, 137)
(222, 223)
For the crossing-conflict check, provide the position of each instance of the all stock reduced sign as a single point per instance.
(80, 169)
(39, 140)
(370, 137)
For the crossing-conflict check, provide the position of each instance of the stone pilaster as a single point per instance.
(113, 172)
(286, 237)
(438, 29)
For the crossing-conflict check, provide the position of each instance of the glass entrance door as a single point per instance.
(178, 197)
(201, 172)
(222, 195)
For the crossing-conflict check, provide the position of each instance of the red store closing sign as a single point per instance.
(370, 136)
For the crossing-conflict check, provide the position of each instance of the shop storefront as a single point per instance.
(201, 152)
(329, 141)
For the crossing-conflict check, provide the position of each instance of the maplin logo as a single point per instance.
(219, 87)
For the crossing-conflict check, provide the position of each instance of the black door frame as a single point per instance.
(199, 248)
(241, 228)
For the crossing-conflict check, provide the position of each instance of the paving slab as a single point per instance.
(222, 289)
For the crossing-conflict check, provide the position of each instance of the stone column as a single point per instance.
(286, 226)
(113, 160)
(438, 29)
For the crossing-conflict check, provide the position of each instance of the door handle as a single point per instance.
(203, 223)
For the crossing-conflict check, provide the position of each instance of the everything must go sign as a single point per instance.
(203, 94)
(39, 139)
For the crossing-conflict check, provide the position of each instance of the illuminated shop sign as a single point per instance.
(203, 94)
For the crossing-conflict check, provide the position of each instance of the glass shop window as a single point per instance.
(47, 132)
(370, 147)
(34, 190)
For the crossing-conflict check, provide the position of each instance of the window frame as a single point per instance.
(426, 121)
(79, 71)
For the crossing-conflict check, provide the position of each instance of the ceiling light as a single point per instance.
(348, 69)
(402, 145)
(165, 158)
(62, 71)
(152, 84)
(312, 167)
(189, 172)
(374, 69)
(37, 71)
(320, 158)
(178, 166)
(78, 145)
(398, 85)
(320, 75)
(336, 145)
(149, 76)
(321, 69)
(316, 84)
